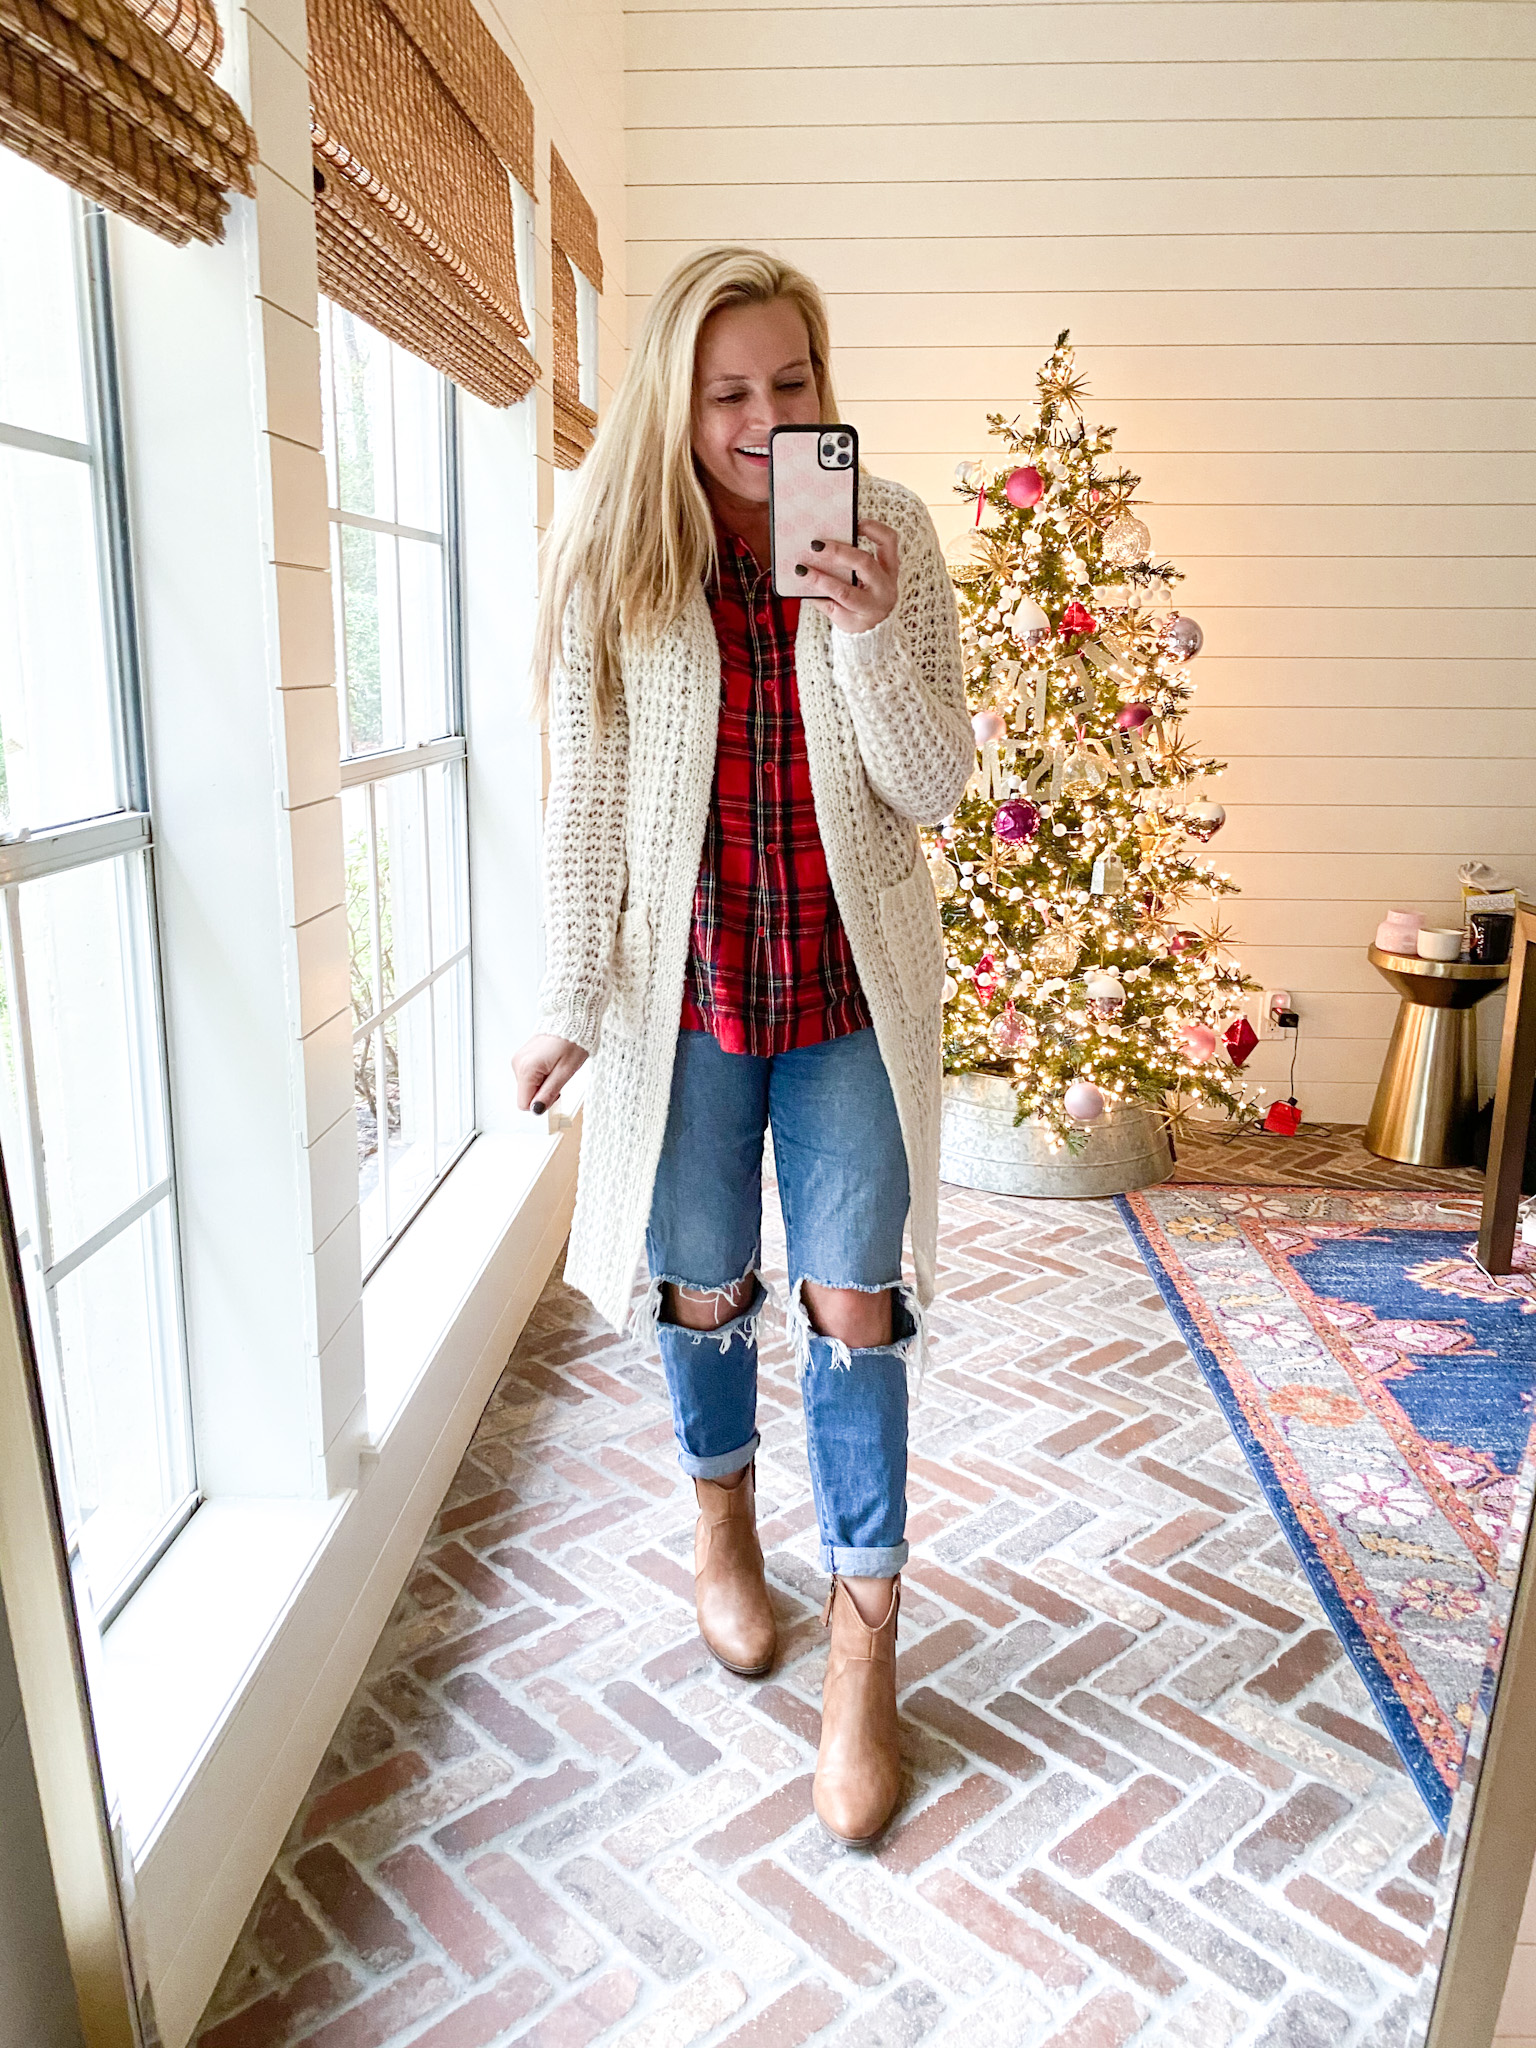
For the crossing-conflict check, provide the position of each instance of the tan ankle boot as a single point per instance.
(858, 1767)
(729, 1590)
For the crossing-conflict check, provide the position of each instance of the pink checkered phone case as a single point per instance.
(813, 494)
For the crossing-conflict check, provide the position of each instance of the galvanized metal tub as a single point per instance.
(982, 1147)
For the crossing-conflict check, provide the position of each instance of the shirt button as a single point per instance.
(762, 931)
(762, 618)
(770, 767)
(772, 846)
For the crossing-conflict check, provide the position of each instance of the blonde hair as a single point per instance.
(637, 535)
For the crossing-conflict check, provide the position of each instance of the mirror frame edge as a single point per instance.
(1496, 1864)
(34, 1574)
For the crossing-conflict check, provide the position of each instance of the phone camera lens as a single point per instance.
(842, 440)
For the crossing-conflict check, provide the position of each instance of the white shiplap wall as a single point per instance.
(1294, 243)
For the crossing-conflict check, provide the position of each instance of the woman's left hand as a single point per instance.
(856, 589)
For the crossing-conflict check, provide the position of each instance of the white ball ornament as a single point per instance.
(1127, 541)
(1106, 998)
(988, 726)
(951, 988)
(1031, 626)
(1083, 1102)
(1204, 821)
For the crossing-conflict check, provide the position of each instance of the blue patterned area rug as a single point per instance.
(1381, 1388)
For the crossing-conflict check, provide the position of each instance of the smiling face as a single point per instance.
(752, 372)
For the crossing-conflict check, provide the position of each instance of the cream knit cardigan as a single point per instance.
(889, 746)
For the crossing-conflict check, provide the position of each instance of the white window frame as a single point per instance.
(367, 771)
(525, 255)
(588, 299)
(72, 846)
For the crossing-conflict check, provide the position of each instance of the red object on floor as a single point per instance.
(1284, 1119)
(1239, 1038)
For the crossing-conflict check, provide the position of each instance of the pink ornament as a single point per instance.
(1199, 1041)
(1185, 941)
(988, 726)
(1132, 717)
(1016, 821)
(1010, 1032)
(1024, 487)
(1083, 1102)
(987, 978)
(1076, 619)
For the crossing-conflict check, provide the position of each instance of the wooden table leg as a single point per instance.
(1511, 1104)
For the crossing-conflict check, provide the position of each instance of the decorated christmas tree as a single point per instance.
(1087, 964)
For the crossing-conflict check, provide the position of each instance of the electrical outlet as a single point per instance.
(1270, 1004)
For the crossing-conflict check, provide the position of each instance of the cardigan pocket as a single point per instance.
(631, 969)
(914, 938)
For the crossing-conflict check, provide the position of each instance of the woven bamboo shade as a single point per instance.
(573, 240)
(114, 97)
(417, 119)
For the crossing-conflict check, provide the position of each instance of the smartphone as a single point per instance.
(813, 494)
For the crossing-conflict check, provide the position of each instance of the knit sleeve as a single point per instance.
(903, 682)
(583, 846)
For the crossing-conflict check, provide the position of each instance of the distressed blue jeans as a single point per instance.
(842, 1172)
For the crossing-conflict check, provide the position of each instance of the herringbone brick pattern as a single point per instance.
(1320, 1155)
(1148, 1800)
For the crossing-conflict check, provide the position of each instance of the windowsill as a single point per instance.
(412, 1298)
(225, 1674)
(182, 1650)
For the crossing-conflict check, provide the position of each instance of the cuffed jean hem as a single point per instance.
(723, 1466)
(864, 1564)
(712, 1381)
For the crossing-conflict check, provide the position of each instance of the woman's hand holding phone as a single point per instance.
(543, 1064)
(857, 588)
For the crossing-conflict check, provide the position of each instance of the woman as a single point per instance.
(738, 910)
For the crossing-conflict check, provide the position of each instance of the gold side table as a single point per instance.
(1426, 1099)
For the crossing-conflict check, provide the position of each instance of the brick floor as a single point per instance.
(1147, 1801)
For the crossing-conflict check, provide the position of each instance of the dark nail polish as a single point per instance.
(801, 570)
(855, 579)
(817, 546)
(539, 1108)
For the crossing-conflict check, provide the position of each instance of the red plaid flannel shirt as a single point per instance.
(769, 964)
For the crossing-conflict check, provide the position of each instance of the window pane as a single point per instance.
(120, 1367)
(446, 841)
(400, 828)
(455, 1085)
(360, 928)
(359, 438)
(418, 443)
(367, 1073)
(425, 713)
(367, 565)
(58, 751)
(412, 1122)
(90, 1001)
(42, 382)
